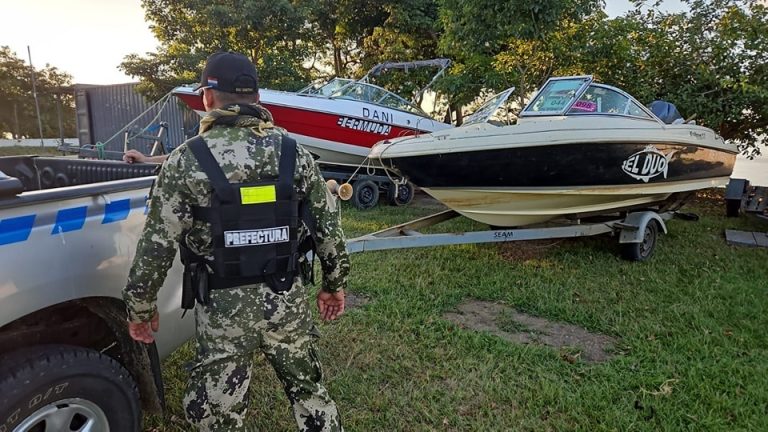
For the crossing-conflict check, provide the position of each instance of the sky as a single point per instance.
(89, 38)
(85, 38)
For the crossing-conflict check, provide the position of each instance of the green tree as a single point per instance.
(340, 28)
(17, 105)
(410, 31)
(500, 44)
(711, 61)
(272, 33)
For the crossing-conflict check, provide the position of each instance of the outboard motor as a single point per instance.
(666, 111)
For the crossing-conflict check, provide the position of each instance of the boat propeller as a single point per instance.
(343, 191)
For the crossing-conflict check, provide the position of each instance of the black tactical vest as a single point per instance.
(254, 227)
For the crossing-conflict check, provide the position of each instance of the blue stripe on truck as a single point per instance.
(71, 219)
(16, 229)
(116, 211)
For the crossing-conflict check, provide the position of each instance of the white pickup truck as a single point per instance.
(68, 233)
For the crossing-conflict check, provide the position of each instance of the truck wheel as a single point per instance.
(57, 388)
(400, 194)
(366, 194)
(643, 250)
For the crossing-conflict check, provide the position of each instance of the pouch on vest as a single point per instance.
(254, 226)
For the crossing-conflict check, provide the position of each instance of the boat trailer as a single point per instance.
(638, 233)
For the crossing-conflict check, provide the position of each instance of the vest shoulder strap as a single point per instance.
(211, 168)
(286, 167)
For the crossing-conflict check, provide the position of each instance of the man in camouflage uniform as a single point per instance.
(238, 321)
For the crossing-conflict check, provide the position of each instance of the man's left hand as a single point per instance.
(331, 305)
(143, 331)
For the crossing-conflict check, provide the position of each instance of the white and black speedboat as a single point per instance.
(578, 148)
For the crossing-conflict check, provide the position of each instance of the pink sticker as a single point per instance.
(587, 106)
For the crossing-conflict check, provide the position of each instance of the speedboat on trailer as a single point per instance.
(578, 148)
(341, 120)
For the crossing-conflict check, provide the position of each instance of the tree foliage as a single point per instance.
(17, 105)
(711, 61)
(272, 33)
(341, 28)
(500, 44)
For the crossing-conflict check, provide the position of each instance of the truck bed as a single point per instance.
(68, 231)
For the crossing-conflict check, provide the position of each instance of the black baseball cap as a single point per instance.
(229, 72)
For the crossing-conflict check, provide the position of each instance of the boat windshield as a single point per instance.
(556, 96)
(489, 111)
(599, 99)
(579, 95)
(325, 88)
(376, 95)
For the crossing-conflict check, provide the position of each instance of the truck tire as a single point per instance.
(59, 388)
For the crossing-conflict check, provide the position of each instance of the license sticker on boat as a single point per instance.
(584, 105)
(256, 237)
(647, 163)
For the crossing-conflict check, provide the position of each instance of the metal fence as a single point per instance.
(103, 111)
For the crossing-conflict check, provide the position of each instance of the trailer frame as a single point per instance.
(637, 231)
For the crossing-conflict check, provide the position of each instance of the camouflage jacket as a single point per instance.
(246, 144)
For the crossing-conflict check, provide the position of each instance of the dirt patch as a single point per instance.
(710, 200)
(354, 301)
(502, 321)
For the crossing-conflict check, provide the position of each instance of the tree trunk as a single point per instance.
(16, 130)
(448, 117)
(338, 64)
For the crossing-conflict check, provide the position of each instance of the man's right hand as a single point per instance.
(132, 156)
(144, 331)
(331, 305)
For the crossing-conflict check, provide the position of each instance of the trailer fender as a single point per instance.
(633, 227)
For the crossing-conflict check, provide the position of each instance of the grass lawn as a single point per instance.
(23, 150)
(692, 350)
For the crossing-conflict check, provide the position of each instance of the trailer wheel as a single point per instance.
(400, 194)
(366, 194)
(643, 250)
(65, 388)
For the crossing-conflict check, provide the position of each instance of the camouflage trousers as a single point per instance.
(239, 322)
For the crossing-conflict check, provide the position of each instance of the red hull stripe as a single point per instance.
(332, 127)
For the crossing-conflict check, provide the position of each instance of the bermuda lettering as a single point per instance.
(256, 237)
(364, 125)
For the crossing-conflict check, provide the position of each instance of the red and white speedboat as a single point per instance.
(341, 120)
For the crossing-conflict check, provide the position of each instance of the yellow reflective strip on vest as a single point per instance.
(258, 194)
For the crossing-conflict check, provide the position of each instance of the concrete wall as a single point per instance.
(35, 142)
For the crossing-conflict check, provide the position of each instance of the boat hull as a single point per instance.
(525, 185)
(509, 207)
